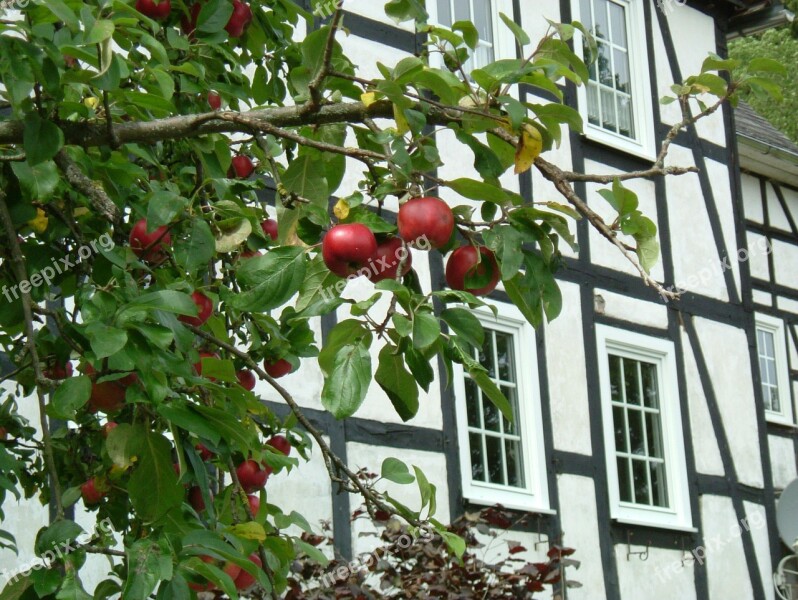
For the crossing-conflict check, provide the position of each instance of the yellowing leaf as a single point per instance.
(530, 145)
(402, 126)
(341, 209)
(91, 102)
(39, 223)
(368, 98)
(249, 531)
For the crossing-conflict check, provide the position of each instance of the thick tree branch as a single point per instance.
(91, 189)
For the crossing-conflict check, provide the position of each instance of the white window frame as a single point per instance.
(775, 326)
(662, 353)
(534, 497)
(503, 40)
(639, 73)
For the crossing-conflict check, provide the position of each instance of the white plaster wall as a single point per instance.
(758, 258)
(785, 258)
(719, 178)
(757, 524)
(633, 310)
(580, 527)
(376, 11)
(752, 198)
(782, 460)
(662, 575)
(790, 306)
(791, 199)
(565, 356)
(761, 297)
(778, 219)
(725, 561)
(726, 351)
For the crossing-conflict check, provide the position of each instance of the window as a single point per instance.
(494, 42)
(643, 430)
(616, 101)
(772, 353)
(503, 462)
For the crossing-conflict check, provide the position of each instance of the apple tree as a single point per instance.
(149, 280)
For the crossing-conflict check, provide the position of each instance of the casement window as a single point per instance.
(773, 369)
(503, 462)
(616, 102)
(643, 429)
(495, 41)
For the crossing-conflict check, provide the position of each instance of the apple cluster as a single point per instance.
(351, 249)
(160, 11)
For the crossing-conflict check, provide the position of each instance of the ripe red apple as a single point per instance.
(198, 365)
(244, 579)
(203, 451)
(247, 379)
(108, 396)
(241, 167)
(348, 248)
(196, 500)
(154, 9)
(189, 24)
(214, 100)
(239, 20)
(109, 427)
(385, 262)
(429, 218)
(149, 246)
(254, 504)
(204, 310)
(3, 433)
(280, 443)
(58, 371)
(277, 368)
(251, 254)
(252, 475)
(269, 227)
(91, 494)
(465, 263)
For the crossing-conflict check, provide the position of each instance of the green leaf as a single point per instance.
(648, 253)
(122, 443)
(404, 10)
(486, 162)
(346, 386)
(397, 382)
(70, 396)
(520, 35)
(465, 325)
(229, 427)
(153, 487)
(426, 329)
(469, 31)
(305, 177)
(56, 534)
(492, 391)
(184, 417)
(38, 182)
(167, 300)
(478, 190)
(163, 206)
(71, 589)
(214, 15)
(102, 30)
(455, 543)
(766, 65)
(41, 139)
(427, 491)
(64, 13)
(197, 248)
(361, 214)
(105, 340)
(350, 331)
(318, 288)
(147, 564)
(270, 281)
(395, 470)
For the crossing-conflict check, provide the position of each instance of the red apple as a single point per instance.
(385, 262)
(465, 263)
(252, 475)
(254, 504)
(427, 218)
(269, 227)
(239, 20)
(348, 248)
(280, 443)
(277, 368)
(154, 9)
(189, 24)
(204, 310)
(3, 434)
(196, 500)
(214, 101)
(241, 167)
(203, 451)
(244, 579)
(58, 371)
(108, 396)
(149, 246)
(91, 495)
(109, 427)
(198, 365)
(251, 254)
(207, 586)
(247, 379)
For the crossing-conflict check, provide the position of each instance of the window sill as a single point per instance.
(511, 505)
(618, 144)
(780, 420)
(653, 525)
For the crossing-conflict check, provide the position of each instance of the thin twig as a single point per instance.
(314, 102)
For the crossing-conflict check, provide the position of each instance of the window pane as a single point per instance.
(622, 81)
(615, 378)
(477, 469)
(486, 354)
(600, 13)
(504, 350)
(495, 462)
(775, 405)
(482, 20)
(654, 434)
(608, 110)
(772, 377)
(515, 476)
(491, 415)
(619, 421)
(650, 388)
(625, 121)
(640, 476)
(472, 402)
(768, 344)
(618, 24)
(624, 480)
(510, 394)
(584, 14)
(763, 370)
(444, 13)
(635, 418)
(462, 10)
(604, 64)
(659, 485)
(631, 381)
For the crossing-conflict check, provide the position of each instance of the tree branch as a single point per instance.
(91, 189)
(315, 99)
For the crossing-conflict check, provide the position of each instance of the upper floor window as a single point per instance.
(494, 43)
(773, 369)
(502, 461)
(643, 430)
(616, 101)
